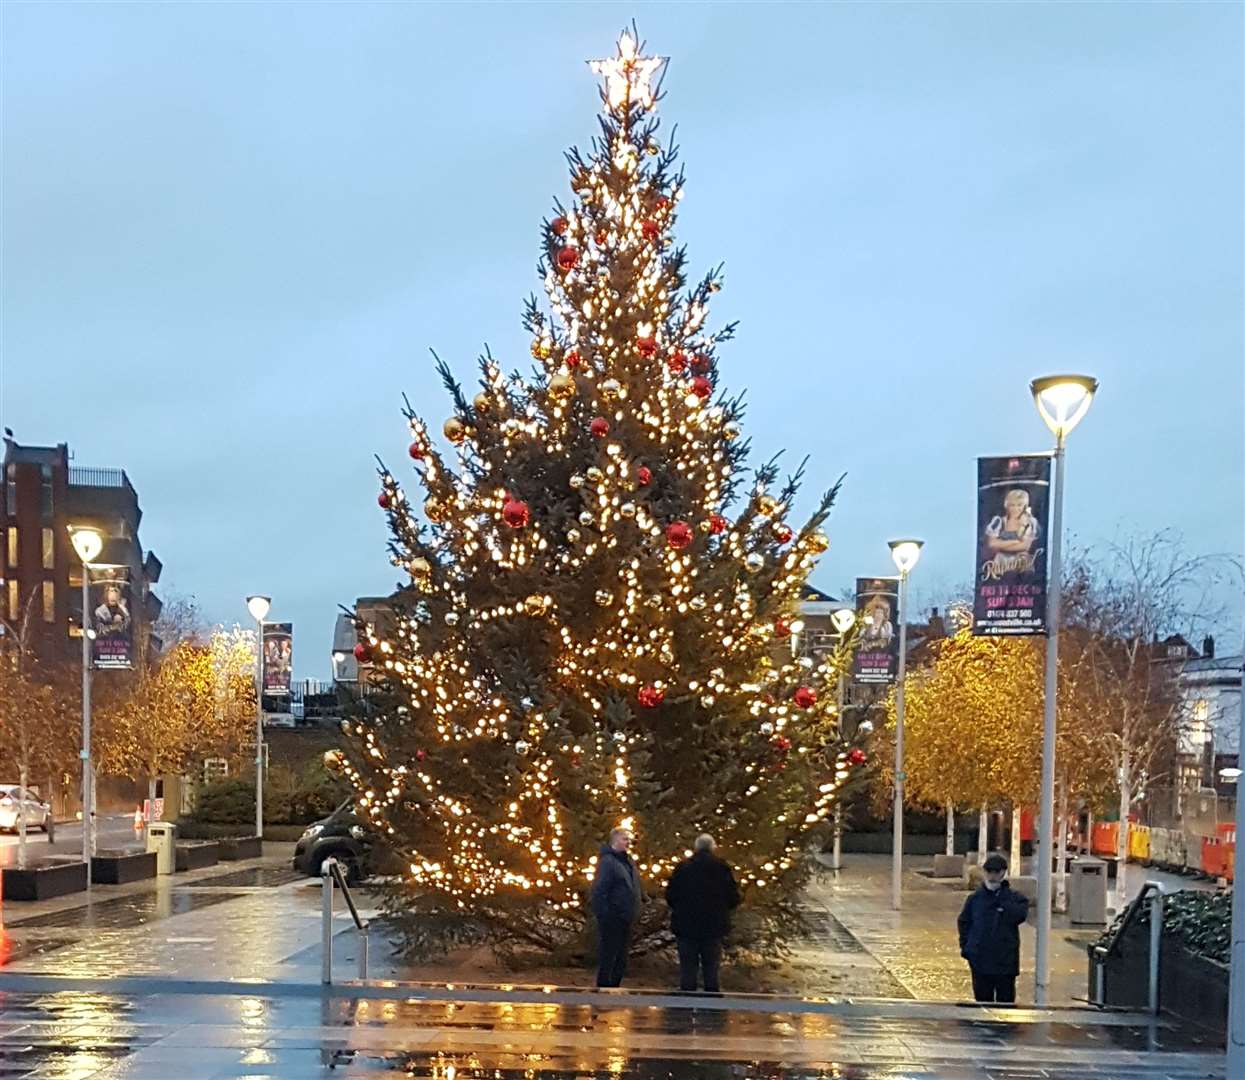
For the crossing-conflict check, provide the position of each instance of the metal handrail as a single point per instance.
(335, 878)
(1154, 891)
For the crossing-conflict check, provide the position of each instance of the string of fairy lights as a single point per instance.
(625, 382)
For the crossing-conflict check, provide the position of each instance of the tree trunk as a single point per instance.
(1089, 833)
(950, 829)
(1061, 876)
(23, 775)
(837, 854)
(1121, 849)
(150, 809)
(983, 833)
(53, 791)
(1014, 861)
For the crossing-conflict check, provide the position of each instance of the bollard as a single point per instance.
(326, 929)
(363, 954)
(1156, 944)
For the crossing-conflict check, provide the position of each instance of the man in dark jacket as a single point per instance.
(615, 903)
(990, 933)
(702, 894)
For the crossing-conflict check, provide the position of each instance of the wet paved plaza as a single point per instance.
(214, 974)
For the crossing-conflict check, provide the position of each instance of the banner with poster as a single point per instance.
(1013, 519)
(278, 657)
(877, 643)
(111, 617)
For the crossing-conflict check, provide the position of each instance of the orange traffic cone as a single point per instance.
(138, 820)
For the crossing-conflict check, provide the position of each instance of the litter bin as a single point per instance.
(161, 838)
(1087, 892)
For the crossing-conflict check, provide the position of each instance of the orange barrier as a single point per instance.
(1213, 857)
(1106, 838)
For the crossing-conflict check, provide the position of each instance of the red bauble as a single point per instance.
(573, 358)
(568, 259)
(717, 524)
(515, 513)
(420, 755)
(679, 534)
(782, 628)
(783, 534)
(646, 346)
(651, 696)
(383, 500)
(857, 756)
(701, 387)
(362, 653)
(650, 229)
(577, 761)
(601, 237)
(781, 743)
(417, 450)
(805, 697)
(662, 203)
(644, 476)
(559, 225)
(678, 362)
(700, 364)
(600, 427)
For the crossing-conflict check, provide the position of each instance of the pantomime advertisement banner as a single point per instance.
(111, 617)
(278, 657)
(877, 644)
(1013, 509)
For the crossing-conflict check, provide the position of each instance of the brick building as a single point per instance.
(43, 496)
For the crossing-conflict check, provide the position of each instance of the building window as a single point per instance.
(1201, 710)
(10, 488)
(14, 600)
(49, 549)
(45, 492)
(49, 602)
(12, 546)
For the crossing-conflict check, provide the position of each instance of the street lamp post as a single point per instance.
(843, 620)
(1236, 968)
(258, 607)
(1062, 401)
(88, 543)
(905, 553)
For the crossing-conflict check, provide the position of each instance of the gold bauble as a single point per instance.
(765, 662)
(482, 402)
(334, 760)
(819, 541)
(536, 605)
(604, 597)
(435, 510)
(627, 510)
(455, 430)
(585, 518)
(576, 481)
(420, 566)
(731, 430)
(562, 387)
(754, 562)
(766, 504)
(595, 475)
(611, 388)
(573, 535)
(542, 348)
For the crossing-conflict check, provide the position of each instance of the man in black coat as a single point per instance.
(990, 933)
(702, 894)
(615, 903)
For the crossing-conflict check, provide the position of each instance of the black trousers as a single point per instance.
(697, 955)
(613, 943)
(1000, 988)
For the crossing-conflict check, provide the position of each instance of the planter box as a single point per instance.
(120, 867)
(233, 848)
(948, 866)
(880, 843)
(197, 854)
(43, 880)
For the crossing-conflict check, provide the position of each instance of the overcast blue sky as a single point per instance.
(232, 231)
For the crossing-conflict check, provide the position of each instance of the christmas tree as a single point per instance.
(599, 624)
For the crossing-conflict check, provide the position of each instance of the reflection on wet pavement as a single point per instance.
(256, 876)
(125, 912)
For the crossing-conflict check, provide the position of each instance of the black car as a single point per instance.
(342, 835)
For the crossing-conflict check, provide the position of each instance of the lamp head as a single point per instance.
(906, 553)
(844, 619)
(258, 606)
(87, 542)
(1063, 400)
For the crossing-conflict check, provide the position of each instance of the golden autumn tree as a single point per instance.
(972, 726)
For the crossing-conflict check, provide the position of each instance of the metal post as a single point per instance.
(88, 793)
(326, 922)
(897, 856)
(1236, 989)
(1046, 808)
(363, 954)
(1156, 943)
(259, 728)
(836, 858)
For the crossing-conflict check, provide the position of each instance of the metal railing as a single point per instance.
(98, 476)
(334, 879)
(1152, 892)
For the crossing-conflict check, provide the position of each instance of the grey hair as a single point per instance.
(616, 833)
(704, 842)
